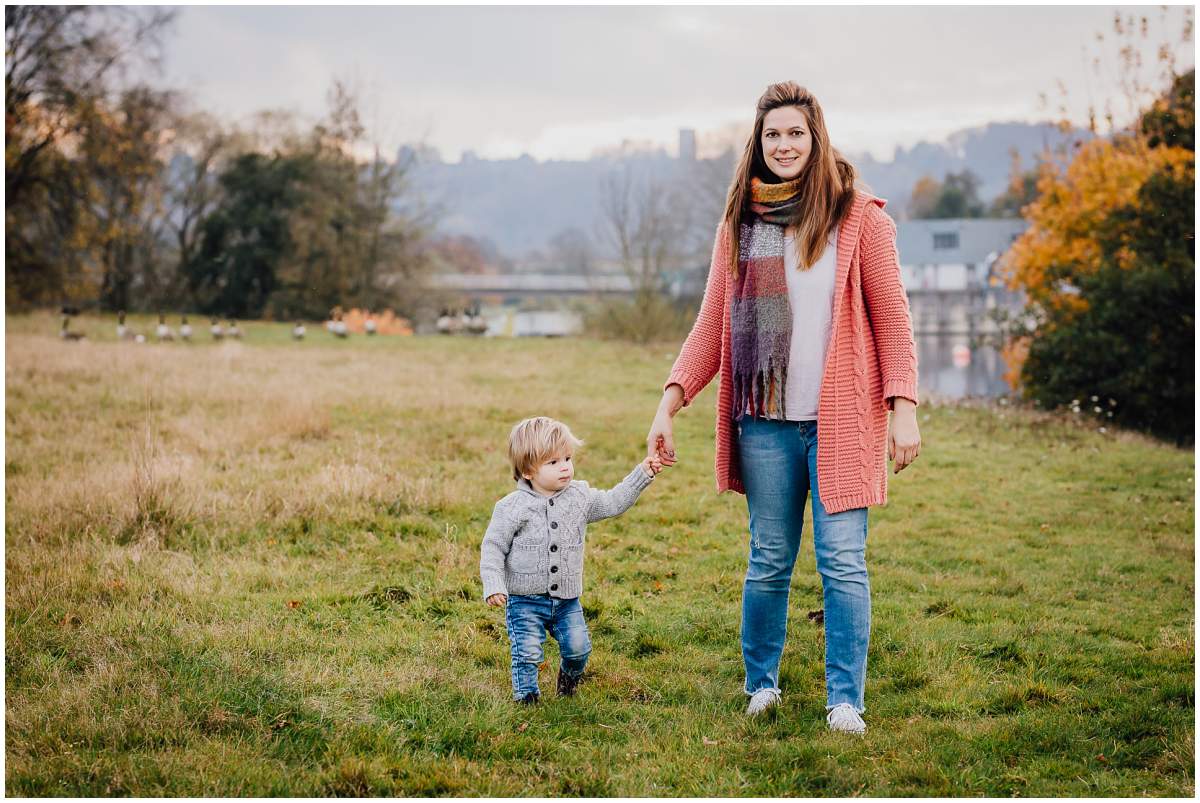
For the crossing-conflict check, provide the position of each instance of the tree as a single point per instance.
(646, 221)
(60, 65)
(1020, 192)
(955, 197)
(1132, 345)
(1171, 120)
(243, 242)
(203, 147)
(924, 198)
(120, 153)
(1073, 205)
(1108, 268)
(309, 227)
(571, 251)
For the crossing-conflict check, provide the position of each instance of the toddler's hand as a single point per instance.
(652, 466)
(497, 600)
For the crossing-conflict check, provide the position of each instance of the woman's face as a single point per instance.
(786, 141)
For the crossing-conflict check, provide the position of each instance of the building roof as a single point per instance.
(977, 239)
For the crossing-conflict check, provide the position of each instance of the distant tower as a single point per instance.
(687, 144)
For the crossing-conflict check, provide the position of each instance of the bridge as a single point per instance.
(533, 284)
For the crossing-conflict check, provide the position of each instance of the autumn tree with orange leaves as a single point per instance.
(1108, 269)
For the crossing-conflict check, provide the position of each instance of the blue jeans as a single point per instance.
(528, 617)
(779, 468)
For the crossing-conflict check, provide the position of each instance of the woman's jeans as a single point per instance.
(779, 467)
(528, 617)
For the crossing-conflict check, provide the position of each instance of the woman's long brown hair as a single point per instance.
(827, 179)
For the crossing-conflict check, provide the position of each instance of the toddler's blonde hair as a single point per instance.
(536, 440)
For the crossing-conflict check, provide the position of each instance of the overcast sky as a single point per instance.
(560, 82)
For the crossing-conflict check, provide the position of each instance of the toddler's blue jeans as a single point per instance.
(528, 618)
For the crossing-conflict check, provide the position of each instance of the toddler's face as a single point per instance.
(554, 474)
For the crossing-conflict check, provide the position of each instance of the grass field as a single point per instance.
(252, 569)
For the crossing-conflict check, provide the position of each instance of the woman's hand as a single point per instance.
(497, 600)
(660, 442)
(904, 437)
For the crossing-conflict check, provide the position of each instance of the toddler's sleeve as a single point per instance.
(497, 541)
(606, 504)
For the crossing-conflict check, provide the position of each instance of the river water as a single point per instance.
(948, 367)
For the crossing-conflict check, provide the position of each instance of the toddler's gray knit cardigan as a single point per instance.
(534, 543)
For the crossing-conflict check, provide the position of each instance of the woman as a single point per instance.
(806, 319)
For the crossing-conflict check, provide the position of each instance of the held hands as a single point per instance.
(652, 466)
(660, 442)
(904, 437)
(497, 600)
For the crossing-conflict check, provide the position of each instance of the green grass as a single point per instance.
(252, 569)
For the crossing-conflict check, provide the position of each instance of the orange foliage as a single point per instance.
(1013, 352)
(386, 323)
(1061, 241)
(924, 196)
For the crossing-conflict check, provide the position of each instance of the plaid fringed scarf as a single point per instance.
(760, 311)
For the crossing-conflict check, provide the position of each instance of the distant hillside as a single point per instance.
(520, 204)
(985, 151)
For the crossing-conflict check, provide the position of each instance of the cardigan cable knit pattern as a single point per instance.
(871, 358)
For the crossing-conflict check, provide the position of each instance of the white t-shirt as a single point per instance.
(810, 293)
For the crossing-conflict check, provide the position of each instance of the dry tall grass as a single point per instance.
(139, 442)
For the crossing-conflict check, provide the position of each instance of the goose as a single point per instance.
(443, 322)
(163, 332)
(217, 331)
(477, 325)
(68, 335)
(123, 331)
(339, 326)
(298, 331)
(370, 326)
(233, 330)
(185, 329)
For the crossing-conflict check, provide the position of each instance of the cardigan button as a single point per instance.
(551, 503)
(553, 569)
(554, 587)
(554, 525)
(554, 547)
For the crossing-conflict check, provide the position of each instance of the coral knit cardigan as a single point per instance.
(871, 358)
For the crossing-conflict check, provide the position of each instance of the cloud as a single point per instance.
(552, 80)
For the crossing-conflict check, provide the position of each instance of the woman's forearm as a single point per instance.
(672, 400)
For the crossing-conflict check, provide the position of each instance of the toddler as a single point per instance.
(531, 560)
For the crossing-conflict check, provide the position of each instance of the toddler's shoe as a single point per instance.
(761, 701)
(567, 683)
(529, 699)
(843, 717)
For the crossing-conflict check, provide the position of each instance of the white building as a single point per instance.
(956, 254)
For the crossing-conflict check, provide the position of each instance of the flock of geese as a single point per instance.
(163, 333)
(470, 321)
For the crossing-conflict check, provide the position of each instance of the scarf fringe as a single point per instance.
(751, 392)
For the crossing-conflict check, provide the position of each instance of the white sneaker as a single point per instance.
(843, 717)
(762, 700)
